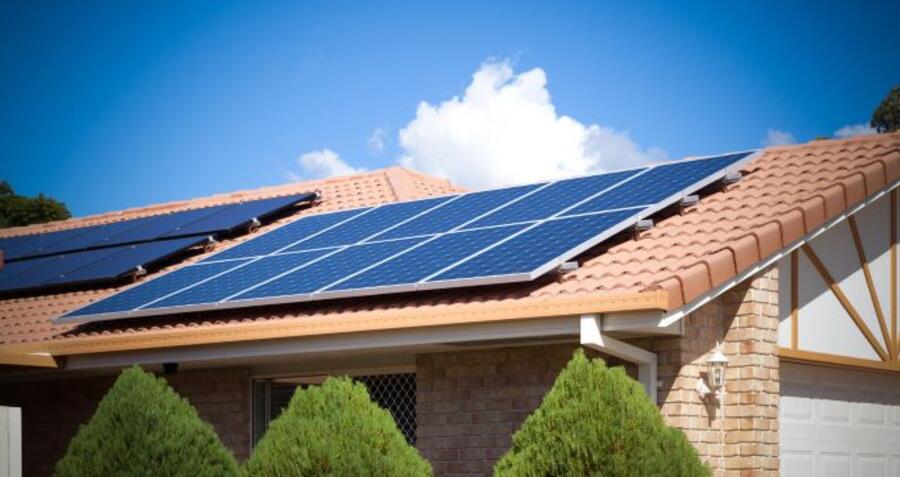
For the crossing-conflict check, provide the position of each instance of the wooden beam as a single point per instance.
(796, 355)
(870, 284)
(795, 299)
(839, 294)
(34, 360)
(894, 273)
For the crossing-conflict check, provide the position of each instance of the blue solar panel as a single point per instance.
(328, 270)
(457, 212)
(535, 247)
(430, 258)
(96, 236)
(150, 290)
(238, 215)
(126, 259)
(497, 236)
(36, 243)
(88, 265)
(366, 225)
(7, 243)
(657, 184)
(552, 199)
(203, 221)
(284, 236)
(165, 224)
(55, 267)
(13, 269)
(239, 279)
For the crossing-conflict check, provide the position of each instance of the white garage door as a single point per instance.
(837, 422)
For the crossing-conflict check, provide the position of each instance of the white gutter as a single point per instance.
(592, 337)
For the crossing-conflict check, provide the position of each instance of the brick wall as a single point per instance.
(52, 410)
(738, 436)
(470, 403)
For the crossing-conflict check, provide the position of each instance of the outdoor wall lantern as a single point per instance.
(715, 376)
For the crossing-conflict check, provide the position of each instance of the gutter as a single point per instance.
(503, 311)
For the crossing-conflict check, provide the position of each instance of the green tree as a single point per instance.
(597, 421)
(334, 429)
(142, 427)
(17, 210)
(886, 117)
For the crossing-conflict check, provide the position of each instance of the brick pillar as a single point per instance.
(738, 436)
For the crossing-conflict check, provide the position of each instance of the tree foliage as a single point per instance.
(142, 427)
(334, 429)
(598, 421)
(17, 210)
(886, 117)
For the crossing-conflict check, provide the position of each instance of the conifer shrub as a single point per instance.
(142, 427)
(598, 421)
(334, 429)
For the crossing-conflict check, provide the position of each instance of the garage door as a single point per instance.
(837, 422)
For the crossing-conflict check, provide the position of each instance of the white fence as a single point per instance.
(10, 442)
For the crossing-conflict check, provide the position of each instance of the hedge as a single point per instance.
(598, 421)
(142, 427)
(334, 429)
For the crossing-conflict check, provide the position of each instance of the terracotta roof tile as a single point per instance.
(786, 192)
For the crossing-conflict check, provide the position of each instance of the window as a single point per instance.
(394, 392)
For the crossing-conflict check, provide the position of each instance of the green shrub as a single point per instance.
(334, 429)
(142, 427)
(598, 421)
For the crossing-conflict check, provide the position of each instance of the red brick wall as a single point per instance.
(52, 410)
(470, 403)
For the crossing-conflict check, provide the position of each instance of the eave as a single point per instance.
(356, 322)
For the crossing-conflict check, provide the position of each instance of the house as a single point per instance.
(790, 272)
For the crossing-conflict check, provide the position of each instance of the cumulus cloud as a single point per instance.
(322, 164)
(506, 130)
(375, 143)
(854, 130)
(777, 137)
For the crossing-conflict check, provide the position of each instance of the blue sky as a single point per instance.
(110, 105)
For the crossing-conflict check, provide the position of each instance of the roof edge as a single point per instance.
(369, 321)
(32, 360)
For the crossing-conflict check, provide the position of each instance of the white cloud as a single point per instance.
(322, 164)
(776, 137)
(505, 130)
(854, 130)
(375, 143)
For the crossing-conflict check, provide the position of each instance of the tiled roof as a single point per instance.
(30, 318)
(786, 192)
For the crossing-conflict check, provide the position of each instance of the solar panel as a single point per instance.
(202, 221)
(498, 236)
(88, 265)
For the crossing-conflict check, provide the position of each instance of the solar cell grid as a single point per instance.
(285, 236)
(238, 279)
(536, 246)
(126, 259)
(418, 263)
(366, 225)
(328, 270)
(656, 185)
(554, 198)
(155, 289)
(458, 212)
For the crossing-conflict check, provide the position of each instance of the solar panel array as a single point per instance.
(110, 251)
(496, 236)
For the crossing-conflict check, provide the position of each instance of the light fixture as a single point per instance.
(717, 363)
(715, 376)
